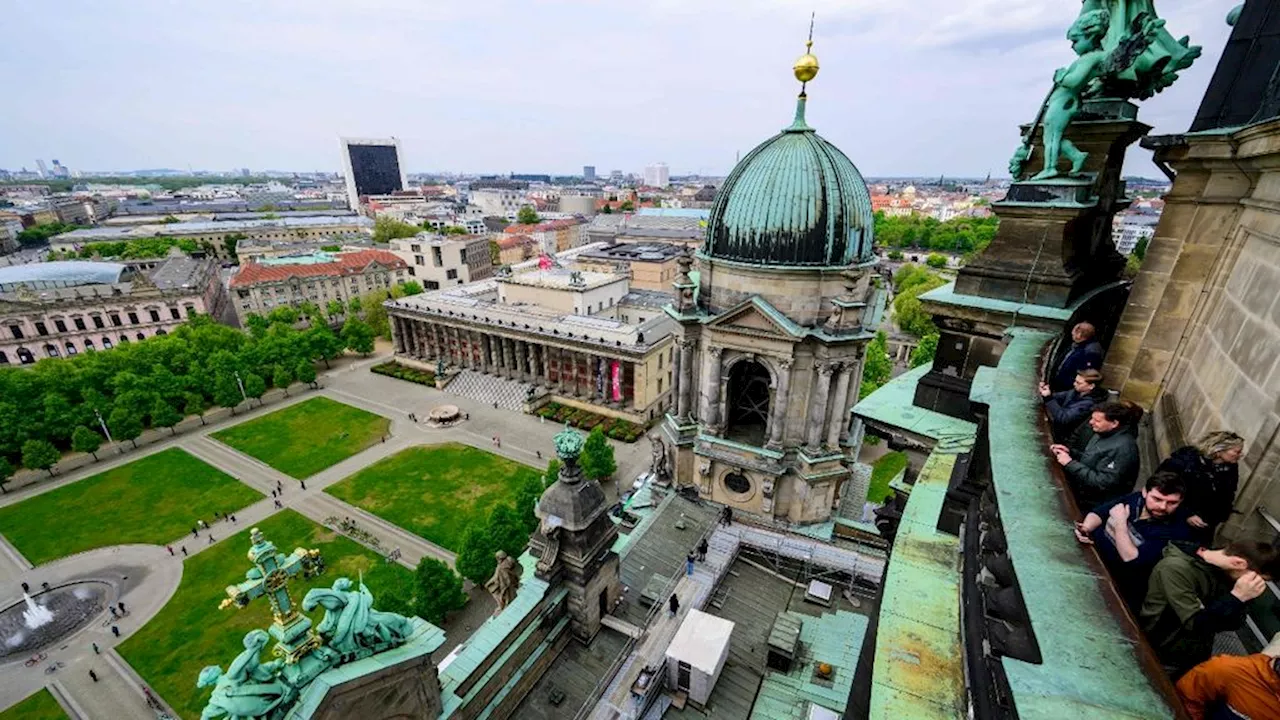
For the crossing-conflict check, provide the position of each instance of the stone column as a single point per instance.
(424, 340)
(506, 358)
(683, 399)
(837, 422)
(778, 412)
(818, 403)
(397, 336)
(849, 424)
(710, 394)
(415, 330)
(475, 351)
(534, 377)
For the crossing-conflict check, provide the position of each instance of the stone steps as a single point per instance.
(490, 389)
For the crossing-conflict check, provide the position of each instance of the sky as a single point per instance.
(906, 88)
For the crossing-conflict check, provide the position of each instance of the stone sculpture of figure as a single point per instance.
(250, 688)
(439, 367)
(505, 581)
(350, 623)
(658, 463)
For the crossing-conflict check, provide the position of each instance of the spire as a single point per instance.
(805, 69)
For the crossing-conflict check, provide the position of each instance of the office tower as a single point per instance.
(372, 167)
(589, 173)
(657, 175)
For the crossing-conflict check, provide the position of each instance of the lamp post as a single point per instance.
(241, 384)
(103, 424)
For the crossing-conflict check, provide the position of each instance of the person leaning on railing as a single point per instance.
(1212, 473)
(1101, 458)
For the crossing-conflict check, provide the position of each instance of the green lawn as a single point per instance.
(882, 471)
(190, 632)
(436, 491)
(40, 706)
(303, 439)
(154, 500)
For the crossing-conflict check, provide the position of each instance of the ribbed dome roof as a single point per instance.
(795, 200)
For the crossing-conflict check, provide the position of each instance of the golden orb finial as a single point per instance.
(806, 68)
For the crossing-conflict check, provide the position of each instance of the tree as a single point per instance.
(527, 496)
(553, 472)
(895, 255)
(39, 455)
(925, 350)
(254, 386)
(86, 441)
(163, 415)
(226, 392)
(507, 530)
(627, 206)
(475, 560)
(357, 335)
(438, 591)
(194, 406)
(495, 253)
(125, 424)
(936, 260)
(305, 373)
(283, 315)
(410, 288)
(606, 209)
(6, 473)
(335, 307)
(354, 305)
(386, 229)
(322, 344)
(597, 456)
(876, 366)
(230, 243)
(282, 377)
(528, 216)
(257, 325)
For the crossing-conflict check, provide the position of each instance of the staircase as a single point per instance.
(490, 389)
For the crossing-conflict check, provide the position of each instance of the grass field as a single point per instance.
(305, 438)
(40, 706)
(155, 500)
(191, 632)
(436, 491)
(883, 471)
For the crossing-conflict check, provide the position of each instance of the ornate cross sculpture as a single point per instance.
(270, 576)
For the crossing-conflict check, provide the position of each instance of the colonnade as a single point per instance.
(595, 376)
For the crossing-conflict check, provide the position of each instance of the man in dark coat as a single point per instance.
(1085, 353)
(1101, 458)
(1069, 408)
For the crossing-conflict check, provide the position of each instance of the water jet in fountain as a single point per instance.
(35, 615)
(35, 623)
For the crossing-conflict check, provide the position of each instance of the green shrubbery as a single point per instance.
(615, 428)
(391, 368)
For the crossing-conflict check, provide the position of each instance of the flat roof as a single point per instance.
(700, 640)
(643, 252)
(179, 273)
(196, 227)
(63, 273)
(562, 279)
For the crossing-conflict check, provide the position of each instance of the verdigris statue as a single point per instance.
(250, 688)
(350, 623)
(1123, 51)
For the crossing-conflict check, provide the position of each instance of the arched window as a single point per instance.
(88, 345)
(124, 339)
(25, 356)
(51, 351)
(142, 336)
(106, 342)
(4, 359)
(71, 348)
(748, 401)
(161, 332)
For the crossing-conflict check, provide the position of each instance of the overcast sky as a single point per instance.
(907, 87)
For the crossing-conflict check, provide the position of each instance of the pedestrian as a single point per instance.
(26, 588)
(233, 518)
(210, 538)
(673, 605)
(304, 484)
(538, 453)
(96, 651)
(499, 440)
(495, 404)
(193, 532)
(115, 630)
(688, 565)
(184, 550)
(280, 486)
(466, 416)
(114, 614)
(170, 549)
(273, 493)
(121, 604)
(384, 438)
(702, 550)
(726, 518)
(93, 675)
(45, 586)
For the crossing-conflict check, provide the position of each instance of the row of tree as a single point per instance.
(963, 235)
(40, 234)
(62, 404)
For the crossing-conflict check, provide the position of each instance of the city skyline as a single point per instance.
(507, 87)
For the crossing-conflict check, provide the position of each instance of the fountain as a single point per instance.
(35, 615)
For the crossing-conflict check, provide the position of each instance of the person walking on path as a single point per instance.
(304, 484)
(170, 549)
(115, 630)
(184, 550)
(211, 538)
(688, 565)
(702, 550)
(673, 605)
(233, 519)
(96, 651)
(93, 676)
(726, 518)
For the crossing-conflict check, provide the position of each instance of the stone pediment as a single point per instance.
(755, 316)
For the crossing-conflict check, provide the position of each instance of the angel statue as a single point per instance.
(1071, 83)
(1155, 67)
(250, 688)
(350, 623)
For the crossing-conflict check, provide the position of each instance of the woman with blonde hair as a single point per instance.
(1211, 471)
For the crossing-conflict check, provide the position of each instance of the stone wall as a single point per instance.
(1199, 342)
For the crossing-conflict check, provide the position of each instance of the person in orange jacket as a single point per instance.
(1233, 687)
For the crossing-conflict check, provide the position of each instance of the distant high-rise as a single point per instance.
(244, 172)
(589, 173)
(372, 167)
(657, 175)
(44, 171)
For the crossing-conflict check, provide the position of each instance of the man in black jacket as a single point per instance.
(1069, 408)
(1192, 597)
(1085, 353)
(1102, 460)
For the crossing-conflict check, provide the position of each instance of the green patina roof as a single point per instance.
(832, 638)
(891, 405)
(795, 200)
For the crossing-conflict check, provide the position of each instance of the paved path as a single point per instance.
(154, 575)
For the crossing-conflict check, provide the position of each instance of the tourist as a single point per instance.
(1233, 686)
(194, 533)
(1132, 530)
(211, 538)
(702, 549)
(688, 565)
(184, 550)
(498, 439)
(466, 416)
(538, 453)
(26, 588)
(1211, 471)
(170, 549)
(1085, 353)
(1069, 408)
(233, 519)
(1192, 597)
(115, 630)
(121, 605)
(726, 517)
(93, 676)
(1103, 460)
(114, 614)
(44, 586)
(96, 651)
(273, 493)
(304, 484)
(673, 605)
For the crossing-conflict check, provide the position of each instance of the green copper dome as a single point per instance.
(794, 201)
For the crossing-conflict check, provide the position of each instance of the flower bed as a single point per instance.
(404, 372)
(615, 428)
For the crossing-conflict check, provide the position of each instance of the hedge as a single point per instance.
(615, 428)
(391, 368)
